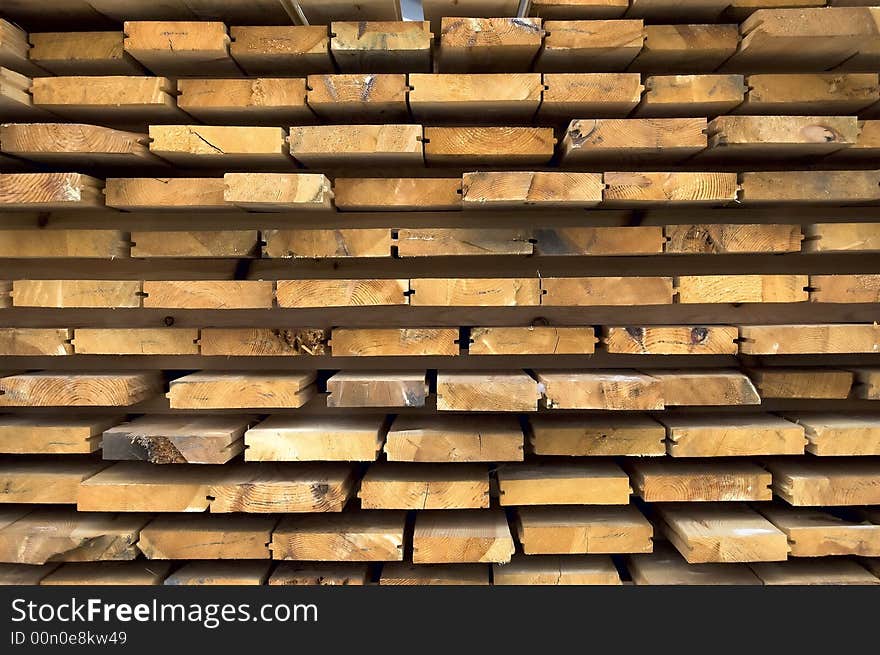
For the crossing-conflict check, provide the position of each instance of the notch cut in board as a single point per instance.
(381, 46)
(597, 45)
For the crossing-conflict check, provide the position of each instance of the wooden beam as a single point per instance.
(136, 341)
(62, 243)
(686, 480)
(51, 435)
(377, 389)
(297, 49)
(210, 390)
(669, 189)
(845, 288)
(230, 573)
(532, 341)
(583, 530)
(341, 293)
(75, 144)
(390, 485)
(327, 243)
(45, 481)
(226, 146)
(303, 439)
(665, 566)
(381, 46)
(112, 574)
(15, 50)
(434, 574)
(474, 292)
(686, 48)
(49, 191)
(263, 342)
(691, 95)
(239, 244)
(594, 141)
(455, 536)
(778, 137)
(180, 48)
(742, 288)
(82, 53)
(840, 434)
(671, 340)
(589, 435)
(489, 97)
(608, 390)
(579, 9)
(454, 242)
(814, 533)
(449, 439)
(569, 95)
(815, 572)
(597, 45)
(273, 192)
(382, 342)
(292, 573)
(353, 145)
(76, 293)
(497, 146)
(694, 387)
(586, 570)
(473, 45)
(351, 537)
(165, 193)
(732, 436)
(255, 101)
(208, 294)
(589, 483)
(599, 241)
(36, 341)
(207, 537)
(837, 237)
(819, 482)
(831, 94)
(789, 382)
(718, 238)
(359, 97)
(496, 391)
(809, 339)
(606, 291)
(16, 97)
(48, 389)
(397, 194)
(495, 190)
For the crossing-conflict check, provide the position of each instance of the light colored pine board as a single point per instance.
(683, 480)
(239, 244)
(456, 536)
(599, 241)
(15, 50)
(671, 340)
(835, 237)
(591, 434)
(586, 570)
(112, 574)
(273, 192)
(434, 574)
(358, 97)
(814, 533)
(597, 45)
(832, 94)
(24, 574)
(263, 342)
(208, 294)
(447, 242)
(496, 190)
(578, 9)
(666, 566)
(76, 293)
(742, 288)
(606, 291)
(583, 530)
(394, 485)
(327, 243)
(177, 439)
(77, 145)
(48, 389)
(151, 193)
(809, 339)
(450, 439)
(222, 390)
(397, 194)
(588, 483)
(709, 387)
(353, 145)
(678, 188)
(732, 436)
(51, 435)
(342, 574)
(698, 48)
(474, 292)
(226, 146)
(718, 238)
(724, 532)
(826, 482)
(826, 571)
(779, 137)
(341, 293)
(377, 389)
(867, 384)
(36, 341)
(55, 243)
(266, 50)
(495, 391)
(845, 288)
(497, 146)
(819, 187)
(381, 46)
(571, 95)
(594, 141)
(303, 439)
(691, 95)
(44, 481)
(839, 434)
(532, 340)
(220, 573)
(486, 97)
(180, 48)
(136, 341)
(16, 97)
(206, 537)
(350, 537)
(50, 191)
(789, 382)
(494, 44)
(373, 342)
(866, 146)
(82, 53)
(608, 390)
(255, 101)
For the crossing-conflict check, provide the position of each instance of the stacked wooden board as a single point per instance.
(307, 293)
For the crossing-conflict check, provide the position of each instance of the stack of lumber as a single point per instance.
(323, 293)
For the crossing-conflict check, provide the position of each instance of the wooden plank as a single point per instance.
(297, 49)
(779, 137)
(15, 50)
(587, 570)
(76, 293)
(671, 340)
(263, 342)
(455, 536)
(498, 391)
(867, 383)
(381, 46)
(303, 439)
(152, 193)
(377, 389)
(341, 293)
(353, 145)
(180, 48)
(195, 243)
(588, 483)
(49, 191)
(255, 101)
(677, 188)
(866, 146)
(327, 243)
(54, 535)
(633, 140)
(606, 291)
(686, 48)
(832, 94)
(359, 97)
(208, 294)
(500, 146)
(728, 532)
(589, 435)
(350, 537)
(220, 145)
(789, 382)
(278, 191)
(136, 341)
(454, 242)
(434, 574)
(487, 97)
(608, 390)
(493, 44)
(665, 566)
(55, 243)
(718, 238)
(732, 436)
(177, 439)
(691, 95)
(532, 341)
(845, 288)
(324, 11)
(75, 144)
(814, 572)
(449, 439)
(207, 537)
(36, 341)
(570, 95)
(44, 481)
(474, 292)
(583, 530)
(51, 435)
(579, 8)
(24, 574)
(839, 434)
(836, 237)
(111, 574)
(813, 533)
(809, 339)
(382, 342)
(597, 45)
(47, 389)
(393, 485)
(397, 194)
(675, 480)
(16, 99)
(435, 10)
(220, 573)
(710, 387)
(599, 241)
(821, 482)
(222, 390)
(742, 288)
(82, 53)
(292, 573)
(495, 190)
